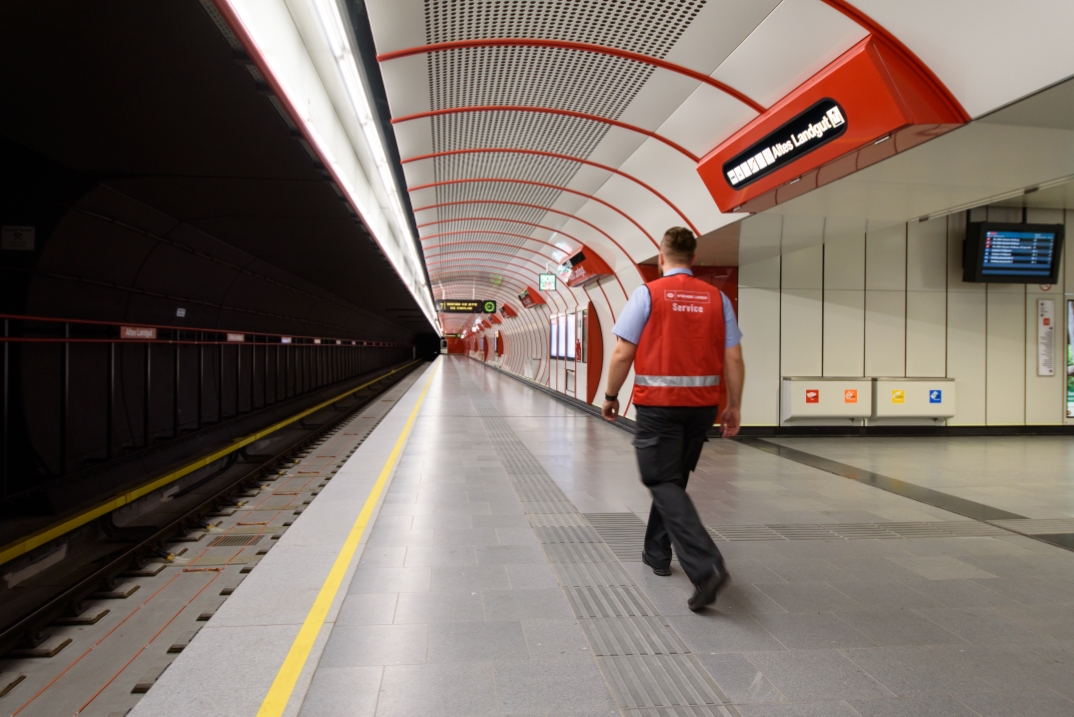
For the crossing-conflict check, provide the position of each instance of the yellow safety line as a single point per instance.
(278, 695)
(25, 544)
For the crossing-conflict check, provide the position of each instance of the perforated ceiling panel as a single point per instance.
(539, 77)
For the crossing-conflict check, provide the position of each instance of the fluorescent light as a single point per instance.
(292, 42)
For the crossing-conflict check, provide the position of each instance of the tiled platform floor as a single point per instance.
(454, 609)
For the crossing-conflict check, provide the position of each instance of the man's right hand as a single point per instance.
(610, 410)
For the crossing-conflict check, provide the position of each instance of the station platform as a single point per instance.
(479, 554)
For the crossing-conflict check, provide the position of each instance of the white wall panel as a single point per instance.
(760, 274)
(926, 256)
(926, 298)
(1005, 372)
(801, 332)
(844, 332)
(885, 259)
(926, 333)
(885, 302)
(966, 354)
(844, 306)
(885, 333)
(759, 319)
(803, 269)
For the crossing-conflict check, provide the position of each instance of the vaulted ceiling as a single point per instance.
(530, 127)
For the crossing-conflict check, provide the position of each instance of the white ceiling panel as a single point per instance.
(793, 43)
(718, 29)
(705, 119)
(414, 138)
(662, 93)
(988, 52)
(418, 173)
(676, 178)
(642, 206)
(406, 81)
(397, 24)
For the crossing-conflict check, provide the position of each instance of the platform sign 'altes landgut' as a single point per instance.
(466, 306)
(818, 125)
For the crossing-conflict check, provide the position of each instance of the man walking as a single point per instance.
(682, 336)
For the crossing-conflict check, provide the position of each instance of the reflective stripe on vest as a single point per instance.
(677, 381)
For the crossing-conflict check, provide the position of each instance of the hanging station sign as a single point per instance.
(548, 282)
(466, 306)
(810, 130)
(871, 103)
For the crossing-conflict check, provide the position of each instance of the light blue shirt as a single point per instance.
(636, 314)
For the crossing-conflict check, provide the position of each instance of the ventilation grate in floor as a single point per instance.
(235, 541)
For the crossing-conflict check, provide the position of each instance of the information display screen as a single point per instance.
(562, 337)
(1012, 253)
(553, 346)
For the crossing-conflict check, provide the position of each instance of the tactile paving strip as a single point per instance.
(648, 668)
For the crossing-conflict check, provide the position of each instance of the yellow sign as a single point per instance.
(898, 395)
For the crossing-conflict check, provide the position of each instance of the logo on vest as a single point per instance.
(687, 301)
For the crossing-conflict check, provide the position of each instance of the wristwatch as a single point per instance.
(611, 398)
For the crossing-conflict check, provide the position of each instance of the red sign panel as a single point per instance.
(869, 104)
(812, 395)
(137, 332)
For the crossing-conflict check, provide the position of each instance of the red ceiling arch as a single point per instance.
(576, 218)
(552, 111)
(579, 47)
(519, 279)
(556, 155)
(505, 180)
(494, 243)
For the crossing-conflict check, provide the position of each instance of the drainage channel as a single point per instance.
(100, 661)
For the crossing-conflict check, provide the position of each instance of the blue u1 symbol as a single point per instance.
(935, 396)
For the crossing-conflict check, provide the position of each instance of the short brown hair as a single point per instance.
(679, 244)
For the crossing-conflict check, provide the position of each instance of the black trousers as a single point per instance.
(668, 445)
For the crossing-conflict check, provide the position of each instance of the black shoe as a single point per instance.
(706, 592)
(662, 572)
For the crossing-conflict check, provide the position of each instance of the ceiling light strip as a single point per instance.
(284, 51)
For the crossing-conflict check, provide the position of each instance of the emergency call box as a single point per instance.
(914, 397)
(826, 397)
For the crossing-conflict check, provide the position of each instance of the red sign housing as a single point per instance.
(889, 103)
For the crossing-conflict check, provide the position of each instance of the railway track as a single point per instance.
(125, 604)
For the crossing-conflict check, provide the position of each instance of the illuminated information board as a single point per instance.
(1021, 254)
(466, 306)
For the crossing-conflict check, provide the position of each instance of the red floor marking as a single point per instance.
(142, 649)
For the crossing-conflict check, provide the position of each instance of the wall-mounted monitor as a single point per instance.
(1012, 253)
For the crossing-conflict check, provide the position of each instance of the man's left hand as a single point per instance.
(730, 421)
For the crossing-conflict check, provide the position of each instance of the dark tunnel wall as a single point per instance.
(158, 173)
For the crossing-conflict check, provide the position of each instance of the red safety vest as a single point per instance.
(680, 355)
